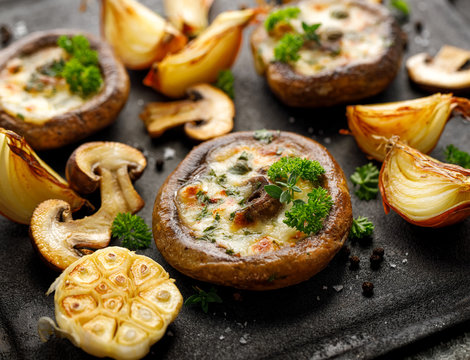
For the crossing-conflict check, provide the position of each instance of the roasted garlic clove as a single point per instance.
(423, 190)
(96, 313)
(215, 49)
(26, 180)
(138, 35)
(188, 16)
(417, 122)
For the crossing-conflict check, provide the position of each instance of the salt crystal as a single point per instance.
(291, 120)
(221, 337)
(393, 266)
(325, 287)
(310, 130)
(245, 324)
(404, 261)
(406, 254)
(227, 330)
(20, 29)
(318, 298)
(327, 140)
(170, 333)
(140, 102)
(338, 288)
(244, 339)
(357, 277)
(168, 153)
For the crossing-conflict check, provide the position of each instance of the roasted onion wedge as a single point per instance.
(422, 190)
(138, 35)
(113, 303)
(417, 122)
(203, 58)
(188, 16)
(26, 180)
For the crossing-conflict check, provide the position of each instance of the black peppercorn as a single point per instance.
(354, 262)
(418, 27)
(375, 261)
(159, 164)
(367, 289)
(379, 252)
(5, 35)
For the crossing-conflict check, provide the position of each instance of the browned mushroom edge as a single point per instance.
(345, 84)
(97, 113)
(284, 267)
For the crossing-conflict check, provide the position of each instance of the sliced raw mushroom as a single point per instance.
(442, 73)
(111, 166)
(208, 113)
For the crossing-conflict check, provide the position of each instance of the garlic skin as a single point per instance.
(215, 49)
(26, 180)
(417, 122)
(138, 35)
(423, 190)
(188, 16)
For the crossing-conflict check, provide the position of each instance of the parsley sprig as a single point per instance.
(367, 178)
(204, 298)
(281, 15)
(304, 216)
(456, 156)
(132, 231)
(361, 227)
(81, 71)
(225, 81)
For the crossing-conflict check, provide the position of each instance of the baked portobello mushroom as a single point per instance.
(354, 53)
(38, 104)
(213, 219)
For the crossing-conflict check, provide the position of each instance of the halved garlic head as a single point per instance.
(26, 180)
(138, 35)
(423, 190)
(114, 303)
(418, 122)
(215, 49)
(188, 16)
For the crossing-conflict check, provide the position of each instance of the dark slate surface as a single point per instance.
(426, 294)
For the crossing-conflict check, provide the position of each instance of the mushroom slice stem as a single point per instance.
(442, 73)
(210, 114)
(417, 122)
(56, 235)
(138, 35)
(215, 49)
(188, 16)
(26, 181)
(422, 190)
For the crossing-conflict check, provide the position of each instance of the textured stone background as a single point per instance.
(420, 302)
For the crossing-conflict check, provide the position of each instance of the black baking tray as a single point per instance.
(421, 289)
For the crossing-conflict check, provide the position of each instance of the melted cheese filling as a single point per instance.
(51, 97)
(207, 204)
(363, 37)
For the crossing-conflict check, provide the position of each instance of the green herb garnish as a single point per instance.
(229, 252)
(361, 227)
(367, 178)
(311, 32)
(20, 116)
(241, 167)
(281, 15)
(456, 156)
(308, 217)
(204, 298)
(132, 231)
(287, 49)
(81, 71)
(402, 6)
(263, 136)
(287, 195)
(204, 212)
(225, 81)
(304, 168)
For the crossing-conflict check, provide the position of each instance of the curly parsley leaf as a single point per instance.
(402, 6)
(367, 178)
(81, 71)
(311, 32)
(361, 227)
(225, 81)
(456, 156)
(204, 298)
(304, 168)
(308, 217)
(281, 15)
(132, 231)
(287, 49)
